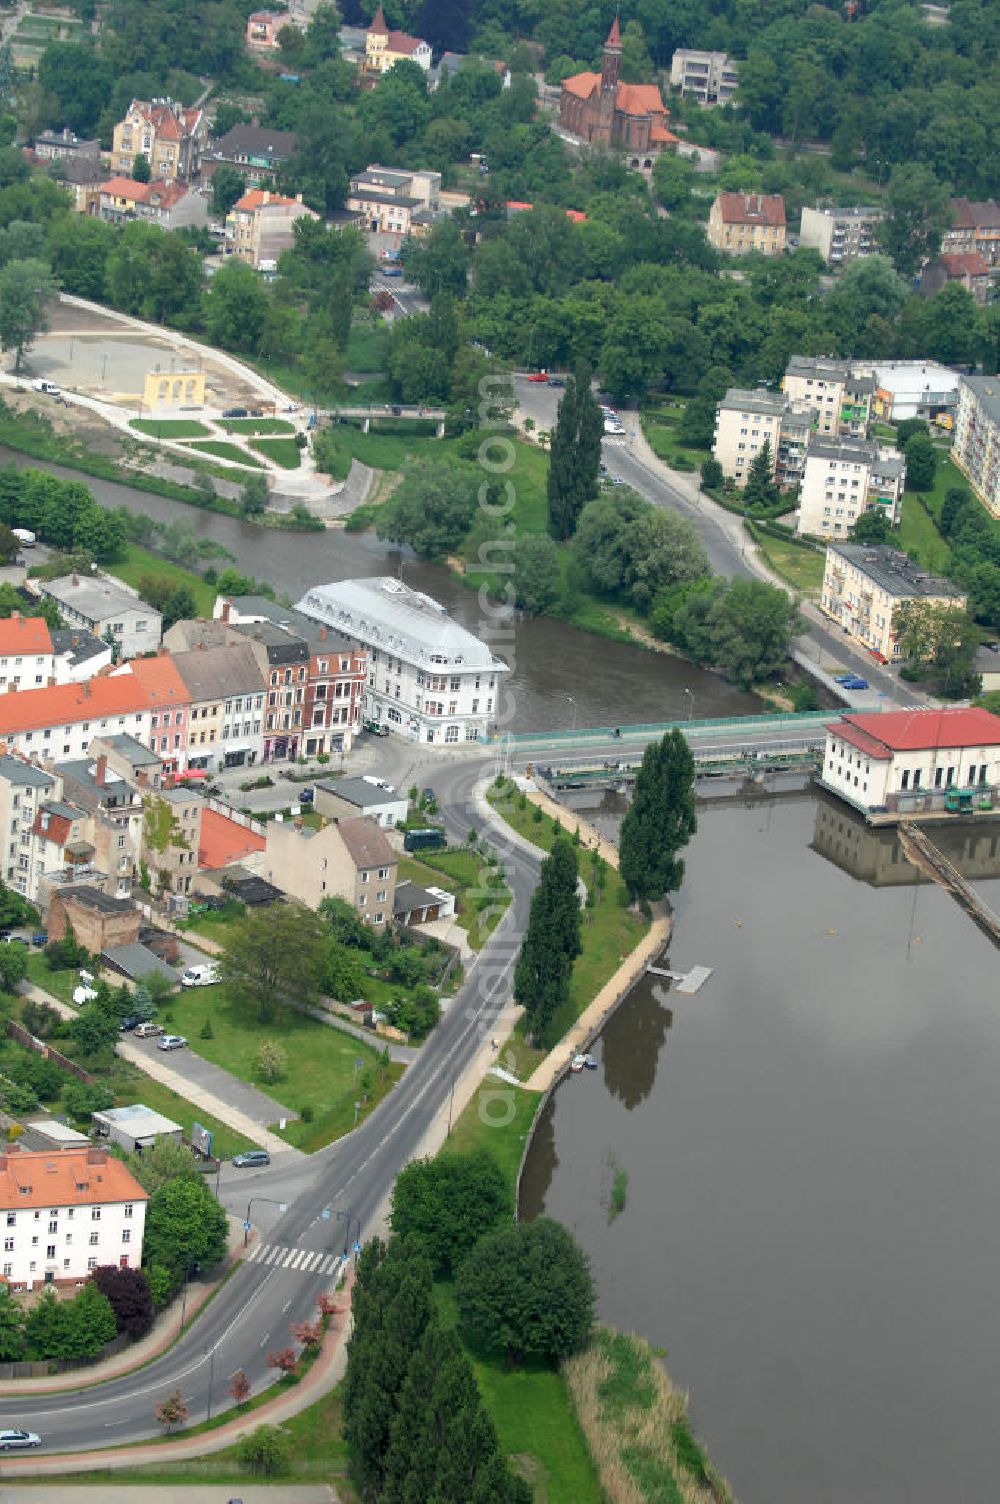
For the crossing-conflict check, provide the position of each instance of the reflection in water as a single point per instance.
(876, 856)
(540, 1166)
(631, 1045)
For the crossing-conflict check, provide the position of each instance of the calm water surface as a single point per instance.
(813, 1219)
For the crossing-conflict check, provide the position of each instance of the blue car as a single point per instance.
(856, 682)
(843, 678)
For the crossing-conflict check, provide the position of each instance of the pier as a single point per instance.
(930, 859)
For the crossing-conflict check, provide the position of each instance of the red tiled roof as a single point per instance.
(582, 84)
(378, 22)
(921, 730)
(259, 197)
(223, 841)
(62, 704)
(965, 264)
(160, 679)
(862, 741)
(64, 1177)
(614, 35)
(966, 215)
(752, 208)
(662, 136)
(400, 42)
(125, 188)
(25, 634)
(639, 99)
(56, 828)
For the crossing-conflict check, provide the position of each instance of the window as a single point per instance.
(95, 1214)
(8, 1245)
(53, 1227)
(11, 1219)
(127, 1235)
(50, 1251)
(365, 876)
(8, 1270)
(128, 1209)
(95, 1238)
(91, 1263)
(380, 896)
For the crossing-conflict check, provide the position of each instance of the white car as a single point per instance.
(10, 1440)
(171, 1042)
(48, 387)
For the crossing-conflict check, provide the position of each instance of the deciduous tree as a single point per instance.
(660, 820)
(448, 1203)
(527, 1290)
(25, 289)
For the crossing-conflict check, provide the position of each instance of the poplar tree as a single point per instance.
(551, 941)
(660, 820)
(575, 458)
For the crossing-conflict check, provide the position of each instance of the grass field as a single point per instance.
(224, 451)
(660, 425)
(479, 905)
(320, 1075)
(919, 536)
(284, 452)
(257, 425)
(367, 347)
(171, 428)
(140, 561)
(800, 565)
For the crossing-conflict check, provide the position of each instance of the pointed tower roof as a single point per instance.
(378, 22)
(614, 35)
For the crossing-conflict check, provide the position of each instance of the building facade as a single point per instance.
(841, 235)
(974, 227)
(260, 225)
(742, 223)
(226, 720)
(349, 859)
(395, 202)
(254, 151)
(170, 137)
(744, 422)
(968, 268)
(976, 450)
(708, 77)
(844, 477)
(910, 761)
(24, 788)
(599, 108)
(262, 30)
(108, 608)
(169, 203)
(429, 679)
(27, 660)
(385, 48)
(65, 1214)
(864, 586)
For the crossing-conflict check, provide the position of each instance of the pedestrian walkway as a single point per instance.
(173, 1493)
(296, 1260)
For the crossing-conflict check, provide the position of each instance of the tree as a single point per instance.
(185, 1227)
(236, 307)
(141, 170)
(127, 1290)
(25, 289)
(921, 463)
(273, 954)
(227, 186)
(433, 509)
(239, 1387)
(761, 489)
(956, 500)
(271, 1061)
(264, 1451)
(673, 179)
(939, 641)
(12, 1338)
(527, 1290)
(918, 213)
(254, 499)
(285, 1360)
(537, 574)
(743, 627)
(13, 965)
(95, 1033)
(164, 1161)
(438, 262)
(172, 1411)
(449, 1203)
(77, 1328)
(871, 527)
(575, 460)
(712, 475)
(551, 941)
(660, 820)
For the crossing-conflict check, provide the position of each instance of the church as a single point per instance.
(599, 108)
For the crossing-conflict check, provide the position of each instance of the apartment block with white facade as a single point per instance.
(24, 788)
(744, 422)
(976, 449)
(842, 478)
(429, 678)
(840, 398)
(65, 1213)
(708, 77)
(912, 761)
(863, 587)
(841, 235)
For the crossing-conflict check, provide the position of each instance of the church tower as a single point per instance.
(610, 69)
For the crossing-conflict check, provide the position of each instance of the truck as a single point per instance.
(200, 976)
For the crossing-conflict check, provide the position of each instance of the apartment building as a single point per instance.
(395, 202)
(912, 761)
(428, 677)
(974, 227)
(741, 223)
(969, 269)
(226, 721)
(744, 422)
(166, 202)
(260, 225)
(24, 788)
(708, 77)
(113, 827)
(27, 659)
(172, 837)
(255, 151)
(170, 137)
(976, 450)
(912, 389)
(840, 399)
(107, 608)
(66, 145)
(65, 1214)
(349, 859)
(842, 478)
(839, 234)
(864, 586)
(263, 27)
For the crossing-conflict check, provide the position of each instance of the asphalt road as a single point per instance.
(251, 1314)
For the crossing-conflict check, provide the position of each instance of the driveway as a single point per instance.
(191, 1067)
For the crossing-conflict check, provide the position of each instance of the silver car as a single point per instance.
(171, 1042)
(12, 1440)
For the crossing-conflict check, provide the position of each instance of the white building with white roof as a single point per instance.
(429, 678)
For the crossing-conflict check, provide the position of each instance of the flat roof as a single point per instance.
(759, 401)
(986, 390)
(359, 791)
(895, 572)
(139, 1120)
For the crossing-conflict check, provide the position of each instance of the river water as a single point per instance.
(560, 676)
(812, 1226)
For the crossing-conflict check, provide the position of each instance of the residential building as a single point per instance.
(110, 839)
(67, 1213)
(24, 788)
(170, 137)
(864, 586)
(839, 234)
(169, 701)
(744, 422)
(228, 839)
(976, 450)
(708, 77)
(349, 859)
(910, 761)
(78, 655)
(136, 1128)
(342, 798)
(82, 177)
(987, 666)
(106, 607)
(428, 678)
(262, 30)
(336, 675)
(226, 721)
(974, 227)
(793, 446)
(260, 225)
(283, 660)
(61, 721)
(840, 399)
(99, 921)
(395, 202)
(129, 760)
(27, 660)
(844, 477)
(385, 48)
(741, 223)
(64, 146)
(969, 269)
(171, 838)
(415, 905)
(599, 108)
(255, 151)
(167, 202)
(64, 853)
(912, 389)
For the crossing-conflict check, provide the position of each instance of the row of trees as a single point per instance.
(550, 946)
(62, 513)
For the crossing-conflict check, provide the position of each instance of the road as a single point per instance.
(250, 1315)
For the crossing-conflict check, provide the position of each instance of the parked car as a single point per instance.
(856, 682)
(48, 387)
(13, 1440)
(306, 796)
(236, 412)
(376, 728)
(171, 1042)
(129, 1022)
(842, 678)
(556, 381)
(539, 376)
(40, 939)
(251, 1159)
(148, 1030)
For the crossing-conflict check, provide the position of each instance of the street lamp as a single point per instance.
(573, 703)
(349, 1217)
(690, 695)
(281, 1205)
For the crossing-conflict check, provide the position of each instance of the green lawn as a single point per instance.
(224, 451)
(140, 561)
(320, 1075)
(171, 428)
(257, 425)
(368, 347)
(919, 536)
(59, 983)
(479, 905)
(800, 565)
(660, 425)
(284, 452)
(947, 478)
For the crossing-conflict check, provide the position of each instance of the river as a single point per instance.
(812, 1226)
(560, 675)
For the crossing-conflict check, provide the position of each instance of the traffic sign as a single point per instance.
(247, 1225)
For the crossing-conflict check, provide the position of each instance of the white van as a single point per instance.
(200, 976)
(48, 387)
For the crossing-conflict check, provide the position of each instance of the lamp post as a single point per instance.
(281, 1205)
(690, 695)
(349, 1217)
(211, 1380)
(573, 703)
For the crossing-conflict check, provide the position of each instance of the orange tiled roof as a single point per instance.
(56, 828)
(399, 41)
(961, 264)
(582, 84)
(161, 680)
(662, 136)
(125, 188)
(752, 208)
(223, 841)
(378, 22)
(259, 197)
(25, 634)
(64, 1177)
(639, 99)
(62, 704)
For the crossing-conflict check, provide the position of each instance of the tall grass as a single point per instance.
(619, 1189)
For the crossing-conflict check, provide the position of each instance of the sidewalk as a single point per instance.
(172, 1493)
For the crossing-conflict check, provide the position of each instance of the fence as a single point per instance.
(41, 1368)
(24, 1036)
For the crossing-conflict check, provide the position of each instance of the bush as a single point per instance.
(271, 1061)
(264, 1451)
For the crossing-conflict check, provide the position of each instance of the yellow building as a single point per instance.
(174, 389)
(385, 48)
(864, 585)
(739, 223)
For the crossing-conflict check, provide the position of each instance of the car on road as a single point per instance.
(48, 387)
(556, 381)
(148, 1030)
(842, 678)
(251, 1159)
(376, 728)
(171, 1042)
(14, 1440)
(614, 480)
(236, 412)
(539, 376)
(307, 796)
(855, 681)
(40, 939)
(392, 271)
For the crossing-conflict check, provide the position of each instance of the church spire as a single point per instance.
(612, 64)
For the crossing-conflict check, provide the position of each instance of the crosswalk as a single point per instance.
(295, 1260)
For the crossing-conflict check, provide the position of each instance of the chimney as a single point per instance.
(86, 689)
(226, 608)
(100, 770)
